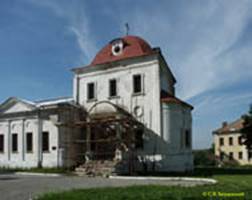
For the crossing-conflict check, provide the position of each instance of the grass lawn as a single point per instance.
(227, 184)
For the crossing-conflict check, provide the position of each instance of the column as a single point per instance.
(88, 137)
(9, 139)
(39, 142)
(88, 146)
(23, 140)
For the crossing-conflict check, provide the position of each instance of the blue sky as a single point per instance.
(208, 45)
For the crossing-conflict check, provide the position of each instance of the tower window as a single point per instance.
(14, 142)
(1, 143)
(29, 142)
(139, 138)
(221, 141)
(45, 141)
(90, 91)
(137, 84)
(117, 47)
(187, 139)
(112, 88)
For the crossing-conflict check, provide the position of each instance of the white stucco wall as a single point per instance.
(162, 139)
(149, 101)
(235, 148)
(176, 119)
(22, 158)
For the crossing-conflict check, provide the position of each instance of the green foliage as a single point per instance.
(227, 183)
(210, 171)
(247, 129)
(204, 157)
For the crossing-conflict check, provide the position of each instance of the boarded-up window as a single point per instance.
(137, 84)
(112, 88)
(1, 143)
(14, 142)
(29, 142)
(45, 141)
(90, 91)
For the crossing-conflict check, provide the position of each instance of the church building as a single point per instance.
(124, 111)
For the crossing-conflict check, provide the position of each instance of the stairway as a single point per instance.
(96, 168)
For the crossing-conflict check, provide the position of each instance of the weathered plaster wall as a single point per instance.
(149, 101)
(176, 119)
(235, 148)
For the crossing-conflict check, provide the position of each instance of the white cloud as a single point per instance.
(77, 23)
(214, 104)
(200, 38)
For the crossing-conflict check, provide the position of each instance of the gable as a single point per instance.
(14, 105)
(18, 107)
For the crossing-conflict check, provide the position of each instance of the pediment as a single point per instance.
(14, 105)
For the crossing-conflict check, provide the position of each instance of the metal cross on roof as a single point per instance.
(127, 28)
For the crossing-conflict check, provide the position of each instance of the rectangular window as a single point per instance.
(139, 139)
(230, 139)
(240, 140)
(1, 143)
(222, 156)
(240, 155)
(90, 91)
(249, 155)
(29, 142)
(137, 84)
(187, 139)
(221, 141)
(14, 142)
(45, 141)
(231, 156)
(112, 88)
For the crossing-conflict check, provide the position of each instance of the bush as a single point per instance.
(204, 157)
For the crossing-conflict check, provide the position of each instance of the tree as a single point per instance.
(204, 157)
(247, 129)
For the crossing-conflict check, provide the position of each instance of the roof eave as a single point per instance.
(109, 64)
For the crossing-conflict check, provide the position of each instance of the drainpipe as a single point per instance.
(77, 89)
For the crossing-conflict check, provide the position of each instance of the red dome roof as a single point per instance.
(133, 46)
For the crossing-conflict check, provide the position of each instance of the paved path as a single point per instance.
(20, 187)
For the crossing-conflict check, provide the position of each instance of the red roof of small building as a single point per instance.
(168, 98)
(235, 126)
(134, 47)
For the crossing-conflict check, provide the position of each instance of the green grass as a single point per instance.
(227, 183)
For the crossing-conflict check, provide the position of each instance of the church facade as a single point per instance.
(123, 109)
